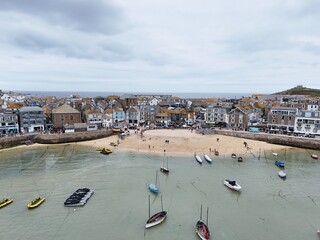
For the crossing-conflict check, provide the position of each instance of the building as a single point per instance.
(238, 119)
(133, 117)
(216, 114)
(31, 119)
(307, 122)
(65, 115)
(281, 119)
(94, 117)
(9, 123)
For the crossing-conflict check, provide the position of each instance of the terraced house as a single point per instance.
(9, 124)
(31, 119)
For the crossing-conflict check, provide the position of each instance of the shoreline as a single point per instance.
(182, 142)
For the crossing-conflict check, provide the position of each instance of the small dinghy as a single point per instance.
(279, 163)
(232, 185)
(198, 158)
(282, 174)
(36, 202)
(106, 151)
(275, 154)
(314, 156)
(165, 169)
(233, 155)
(240, 159)
(5, 202)
(153, 187)
(156, 218)
(207, 158)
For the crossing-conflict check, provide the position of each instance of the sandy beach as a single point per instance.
(183, 142)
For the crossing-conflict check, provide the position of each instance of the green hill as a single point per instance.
(301, 90)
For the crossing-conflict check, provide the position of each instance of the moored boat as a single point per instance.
(165, 169)
(207, 158)
(156, 218)
(232, 185)
(5, 202)
(106, 151)
(153, 187)
(279, 163)
(314, 156)
(198, 158)
(36, 202)
(79, 198)
(202, 228)
(275, 154)
(240, 159)
(282, 174)
(233, 155)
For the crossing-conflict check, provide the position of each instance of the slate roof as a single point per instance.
(65, 108)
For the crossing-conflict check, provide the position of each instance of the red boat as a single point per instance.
(314, 156)
(202, 228)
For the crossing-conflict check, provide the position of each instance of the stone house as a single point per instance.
(65, 115)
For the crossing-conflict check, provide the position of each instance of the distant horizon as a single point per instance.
(108, 93)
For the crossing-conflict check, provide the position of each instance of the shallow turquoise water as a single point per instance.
(267, 207)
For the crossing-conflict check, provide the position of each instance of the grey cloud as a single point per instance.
(96, 49)
(89, 16)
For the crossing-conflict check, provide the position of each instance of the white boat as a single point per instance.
(275, 154)
(282, 174)
(207, 158)
(198, 158)
(156, 218)
(232, 185)
(314, 156)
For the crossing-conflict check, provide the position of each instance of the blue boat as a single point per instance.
(153, 187)
(279, 163)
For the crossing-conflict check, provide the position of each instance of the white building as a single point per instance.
(307, 122)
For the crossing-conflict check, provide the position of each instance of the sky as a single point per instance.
(199, 46)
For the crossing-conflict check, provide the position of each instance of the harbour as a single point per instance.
(266, 208)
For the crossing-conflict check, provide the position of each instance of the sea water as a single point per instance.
(267, 207)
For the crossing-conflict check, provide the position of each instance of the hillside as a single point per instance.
(301, 90)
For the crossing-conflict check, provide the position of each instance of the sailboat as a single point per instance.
(153, 187)
(156, 218)
(202, 228)
(163, 168)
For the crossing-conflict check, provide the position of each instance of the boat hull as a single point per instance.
(79, 198)
(153, 188)
(314, 156)
(282, 174)
(202, 230)
(164, 169)
(207, 158)
(235, 187)
(34, 203)
(6, 202)
(198, 158)
(279, 164)
(156, 219)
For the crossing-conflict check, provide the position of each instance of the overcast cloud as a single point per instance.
(236, 46)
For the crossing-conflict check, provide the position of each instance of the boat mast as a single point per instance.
(161, 204)
(201, 212)
(167, 163)
(207, 216)
(149, 206)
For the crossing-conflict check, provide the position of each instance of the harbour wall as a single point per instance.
(299, 142)
(53, 138)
